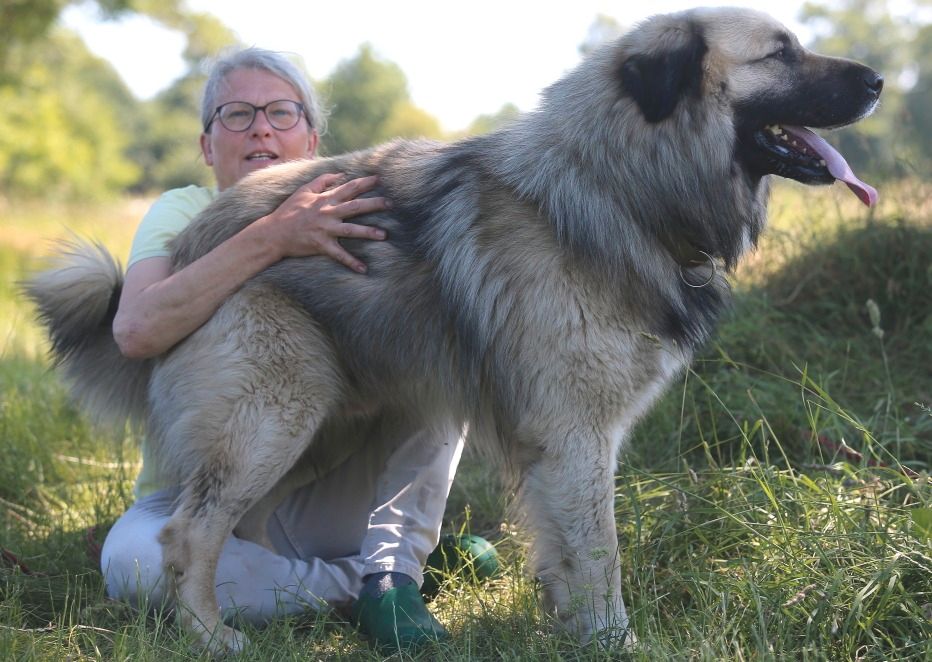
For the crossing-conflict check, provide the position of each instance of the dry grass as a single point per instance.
(772, 507)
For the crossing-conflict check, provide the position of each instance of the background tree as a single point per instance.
(884, 144)
(369, 103)
(71, 128)
(602, 29)
(489, 123)
(166, 142)
(65, 125)
(918, 105)
(165, 146)
(24, 21)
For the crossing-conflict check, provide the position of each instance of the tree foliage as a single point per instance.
(489, 123)
(918, 106)
(65, 127)
(369, 103)
(71, 128)
(166, 145)
(602, 29)
(23, 22)
(894, 141)
(26, 21)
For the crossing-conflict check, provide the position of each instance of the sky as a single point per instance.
(461, 59)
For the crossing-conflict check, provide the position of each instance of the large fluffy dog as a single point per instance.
(542, 283)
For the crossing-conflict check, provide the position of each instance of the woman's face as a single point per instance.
(233, 155)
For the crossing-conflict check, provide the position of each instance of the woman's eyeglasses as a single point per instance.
(238, 116)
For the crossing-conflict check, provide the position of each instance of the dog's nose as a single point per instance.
(874, 82)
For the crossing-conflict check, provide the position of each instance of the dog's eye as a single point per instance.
(779, 54)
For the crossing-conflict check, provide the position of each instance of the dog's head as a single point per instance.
(756, 71)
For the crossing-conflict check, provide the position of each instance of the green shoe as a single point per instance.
(468, 556)
(398, 620)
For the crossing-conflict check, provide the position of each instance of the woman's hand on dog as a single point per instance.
(312, 220)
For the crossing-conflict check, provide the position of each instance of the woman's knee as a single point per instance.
(131, 560)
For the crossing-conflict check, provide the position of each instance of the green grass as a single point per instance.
(28, 231)
(775, 505)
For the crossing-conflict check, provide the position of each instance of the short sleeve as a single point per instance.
(168, 216)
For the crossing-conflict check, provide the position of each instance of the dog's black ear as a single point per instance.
(659, 80)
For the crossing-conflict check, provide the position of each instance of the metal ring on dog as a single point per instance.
(711, 276)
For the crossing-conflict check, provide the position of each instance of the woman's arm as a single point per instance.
(159, 308)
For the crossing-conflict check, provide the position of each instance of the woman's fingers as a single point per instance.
(338, 187)
(320, 213)
(342, 200)
(335, 251)
(358, 207)
(353, 188)
(325, 181)
(353, 231)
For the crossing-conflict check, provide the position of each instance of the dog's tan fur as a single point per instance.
(535, 284)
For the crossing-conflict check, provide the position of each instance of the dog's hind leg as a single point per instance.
(567, 497)
(239, 405)
(253, 525)
(339, 437)
(214, 499)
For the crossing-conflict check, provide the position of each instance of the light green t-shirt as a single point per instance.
(168, 216)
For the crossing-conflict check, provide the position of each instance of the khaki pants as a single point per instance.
(380, 510)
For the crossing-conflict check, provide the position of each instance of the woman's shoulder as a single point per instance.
(168, 216)
(188, 197)
(179, 205)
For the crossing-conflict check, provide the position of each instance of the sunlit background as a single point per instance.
(460, 60)
(776, 503)
(101, 98)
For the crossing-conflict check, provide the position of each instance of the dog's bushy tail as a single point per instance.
(76, 299)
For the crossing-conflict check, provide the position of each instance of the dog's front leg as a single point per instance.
(567, 495)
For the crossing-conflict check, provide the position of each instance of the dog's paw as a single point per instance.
(222, 641)
(608, 633)
(615, 638)
(612, 638)
(211, 635)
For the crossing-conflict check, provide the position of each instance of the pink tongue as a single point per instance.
(836, 163)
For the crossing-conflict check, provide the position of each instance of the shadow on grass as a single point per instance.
(799, 359)
(718, 553)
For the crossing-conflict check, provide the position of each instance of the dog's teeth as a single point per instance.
(822, 163)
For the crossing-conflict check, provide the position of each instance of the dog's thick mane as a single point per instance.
(643, 191)
(608, 225)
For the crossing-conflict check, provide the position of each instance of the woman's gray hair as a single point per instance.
(276, 64)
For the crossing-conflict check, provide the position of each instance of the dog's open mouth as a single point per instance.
(798, 153)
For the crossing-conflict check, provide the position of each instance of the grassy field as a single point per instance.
(775, 505)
